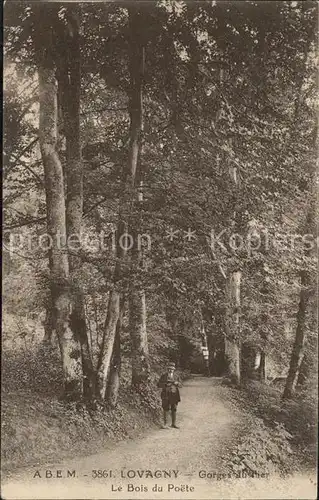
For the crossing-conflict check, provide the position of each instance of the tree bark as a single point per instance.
(56, 225)
(136, 58)
(232, 349)
(70, 87)
(232, 353)
(204, 343)
(232, 339)
(251, 359)
(137, 298)
(297, 350)
(108, 340)
(308, 366)
(48, 325)
(6, 257)
(115, 368)
(49, 320)
(114, 301)
(306, 282)
(137, 320)
(262, 367)
(138, 333)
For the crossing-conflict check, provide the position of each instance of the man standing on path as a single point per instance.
(170, 394)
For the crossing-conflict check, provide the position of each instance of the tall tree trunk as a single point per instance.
(48, 325)
(307, 366)
(232, 354)
(115, 368)
(115, 296)
(138, 333)
(204, 343)
(49, 320)
(6, 255)
(262, 367)
(136, 58)
(137, 319)
(56, 224)
(109, 333)
(70, 87)
(232, 340)
(232, 349)
(306, 282)
(251, 362)
(297, 350)
(137, 298)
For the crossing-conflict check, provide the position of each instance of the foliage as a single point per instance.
(261, 451)
(227, 86)
(296, 416)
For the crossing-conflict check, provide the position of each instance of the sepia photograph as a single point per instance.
(160, 250)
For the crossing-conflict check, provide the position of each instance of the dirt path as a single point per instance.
(209, 426)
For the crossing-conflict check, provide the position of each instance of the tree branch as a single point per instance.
(25, 150)
(101, 110)
(40, 220)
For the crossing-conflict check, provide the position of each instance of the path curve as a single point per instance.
(208, 427)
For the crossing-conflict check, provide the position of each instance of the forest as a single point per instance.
(160, 198)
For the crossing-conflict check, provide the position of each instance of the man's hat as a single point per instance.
(171, 365)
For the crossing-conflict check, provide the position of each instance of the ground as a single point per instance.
(206, 453)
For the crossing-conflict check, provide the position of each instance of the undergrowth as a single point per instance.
(260, 450)
(283, 434)
(38, 426)
(297, 415)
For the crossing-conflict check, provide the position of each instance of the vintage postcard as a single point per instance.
(159, 284)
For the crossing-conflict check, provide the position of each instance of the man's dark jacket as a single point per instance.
(170, 392)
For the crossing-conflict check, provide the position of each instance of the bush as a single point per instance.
(261, 451)
(37, 370)
(298, 416)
